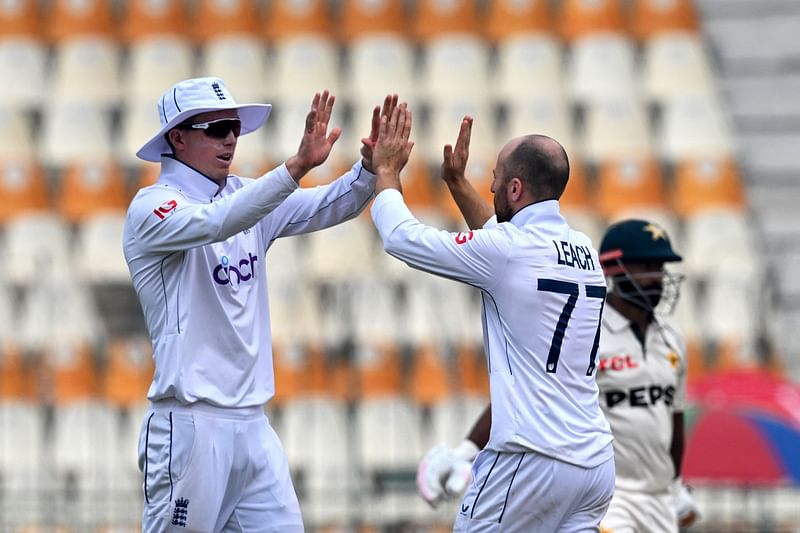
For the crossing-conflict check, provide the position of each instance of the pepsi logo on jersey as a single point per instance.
(234, 273)
(641, 396)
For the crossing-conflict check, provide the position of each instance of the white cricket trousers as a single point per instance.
(533, 493)
(209, 469)
(640, 512)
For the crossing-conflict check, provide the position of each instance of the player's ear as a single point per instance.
(515, 188)
(175, 137)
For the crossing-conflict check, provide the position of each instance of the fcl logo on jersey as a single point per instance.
(165, 209)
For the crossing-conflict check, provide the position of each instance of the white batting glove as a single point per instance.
(687, 510)
(444, 473)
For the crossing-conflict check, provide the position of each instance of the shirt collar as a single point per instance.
(614, 320)
(188, 180)
(538, 213)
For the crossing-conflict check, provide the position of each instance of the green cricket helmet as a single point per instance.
(639, 241)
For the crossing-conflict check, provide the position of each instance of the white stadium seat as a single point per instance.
(87, 68)
(676, 64)
(694, 125)
(27, 59)
(378, 65)
(98, 249)
(16, 134)
(615, 128)
(455, 66)
(241, 61)
(75, 131)
(529, 65)
(301, 66)
(154, 65)
(602, 67)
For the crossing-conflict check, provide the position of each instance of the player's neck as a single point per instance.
(636, 314)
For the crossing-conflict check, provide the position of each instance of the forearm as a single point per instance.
(479, 434)
(676, 448)
(473, 208)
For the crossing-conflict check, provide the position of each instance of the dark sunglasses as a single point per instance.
(219, 129)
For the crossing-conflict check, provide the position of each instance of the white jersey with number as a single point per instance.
(640, 389)
(542, 295)
(196, 256)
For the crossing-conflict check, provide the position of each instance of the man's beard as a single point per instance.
(503, 212)
(647, 298)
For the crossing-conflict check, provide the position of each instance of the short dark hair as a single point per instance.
(542, 164)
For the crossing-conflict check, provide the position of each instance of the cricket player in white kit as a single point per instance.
(195, 243)
(642, 379)
(548, 465)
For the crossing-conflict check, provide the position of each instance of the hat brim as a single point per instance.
(253, 116)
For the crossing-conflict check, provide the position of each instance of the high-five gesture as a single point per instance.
(368, 143)
(392, 148)
(316, 144)
(454, 164)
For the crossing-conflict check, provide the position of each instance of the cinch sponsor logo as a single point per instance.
(228, 273)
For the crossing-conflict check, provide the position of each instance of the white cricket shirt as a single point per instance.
(196, 257)
(542, 294)
(640, 389)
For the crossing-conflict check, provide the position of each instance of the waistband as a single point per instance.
(239, 413)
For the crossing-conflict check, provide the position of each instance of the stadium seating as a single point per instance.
(680, 112)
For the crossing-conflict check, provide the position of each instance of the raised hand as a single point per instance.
(454, 164)
(368, 143)
(392, 148)
(316, 143)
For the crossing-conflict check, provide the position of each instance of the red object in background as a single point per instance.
(743, 428)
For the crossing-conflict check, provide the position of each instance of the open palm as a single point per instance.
(316, 144)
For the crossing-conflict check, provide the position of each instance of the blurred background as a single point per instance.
(682, 112)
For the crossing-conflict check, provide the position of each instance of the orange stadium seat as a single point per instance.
(379, 371)
(434, 18)
(287, 369)
(17, 376)
(146, 18)
(22, 189)
(627, 183)
(233, 17)
(579, 18)
(128, 371)
(71, 18)
(653, 17)
(287, 19)
(509, 18)
(20, 18)
(90, 188)
(429, 382)
(365, 18)
(705, 183)
(72, 371)
(419, 190)
(577, 195)
(147, 175)
(473, 373)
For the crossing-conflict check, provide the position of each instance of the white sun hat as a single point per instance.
(192, 97)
